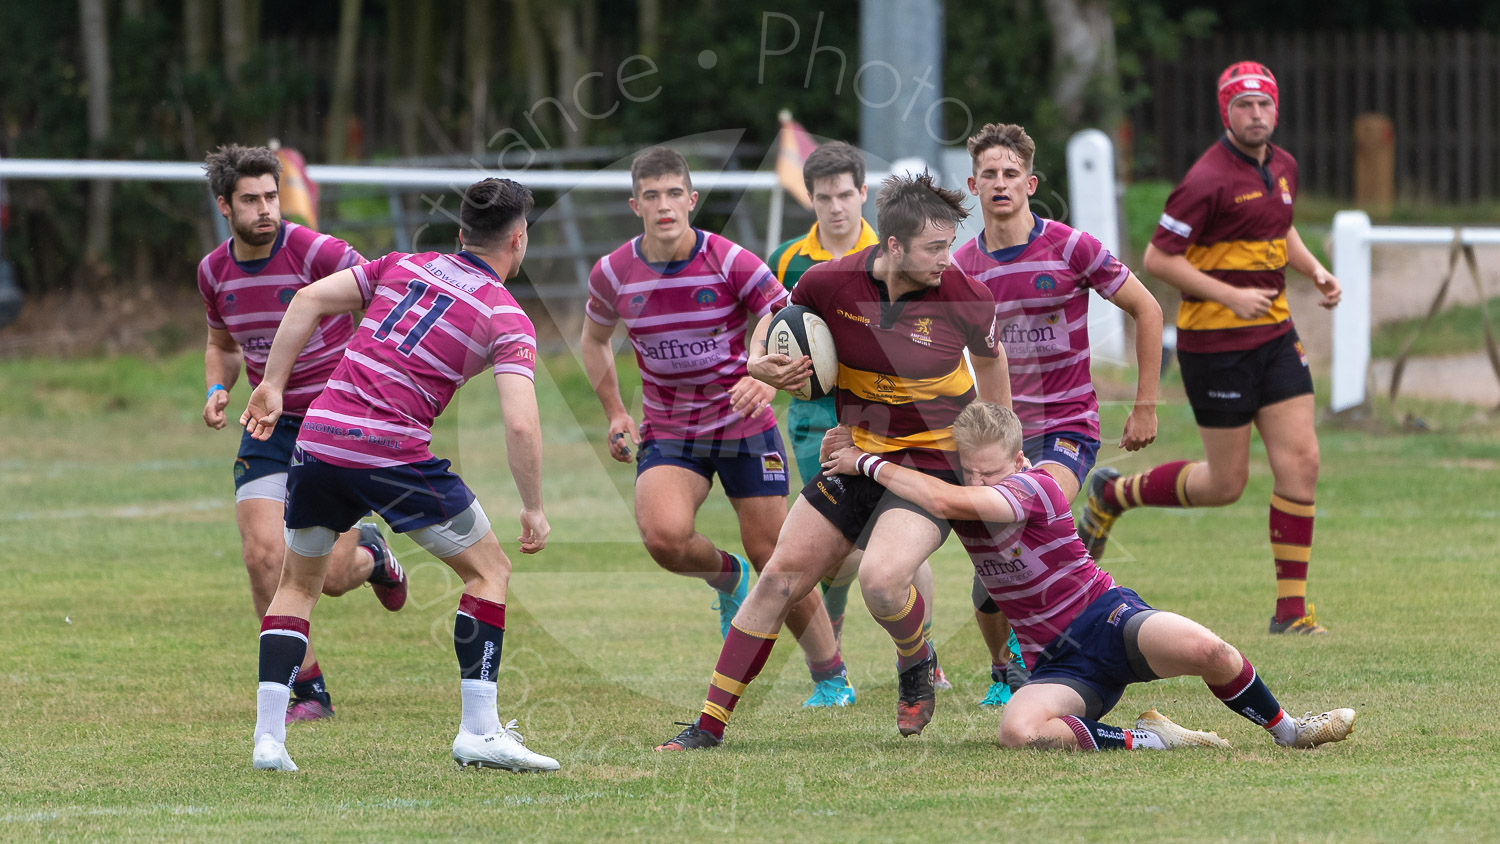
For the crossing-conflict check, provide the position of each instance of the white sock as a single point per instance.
(479, 715)
(270, 710)
(1146, 740)
(1284, 730)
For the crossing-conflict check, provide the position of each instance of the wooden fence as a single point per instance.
(1440, 89)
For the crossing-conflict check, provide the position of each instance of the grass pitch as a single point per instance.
(128, 650)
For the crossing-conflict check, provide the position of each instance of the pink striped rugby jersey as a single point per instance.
(249, 299)
(1042, 309)
(1036, 569)
(432, 322)
(687, 320)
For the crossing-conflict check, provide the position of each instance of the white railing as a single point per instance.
(1353, 235)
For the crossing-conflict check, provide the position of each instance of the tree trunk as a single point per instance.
(343, 81)
(197, 33)
(565, 44)
(477, 26)
(235, 39)
(648, 22)
(1083, 62)
(95, 31)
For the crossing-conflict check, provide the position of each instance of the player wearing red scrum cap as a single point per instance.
(1225, 240)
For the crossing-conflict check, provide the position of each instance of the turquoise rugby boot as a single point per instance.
(728, 603)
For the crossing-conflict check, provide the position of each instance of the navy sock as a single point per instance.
(477, 635)
(309, 685)
(283, 645)
(1093, 735)
(1248, 696)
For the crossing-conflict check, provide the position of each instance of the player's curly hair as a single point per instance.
(831, 159)
(491, 207)
(656, 162)
(230, 163)
(1011, 136)
(907, 203)
(985, 423)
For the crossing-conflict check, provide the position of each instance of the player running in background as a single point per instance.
(433, 321)
(683, 295)
(246, 285)
(1041, 272)
(1225, 240)
(901, 316)
(835, 178)
(1084, 637)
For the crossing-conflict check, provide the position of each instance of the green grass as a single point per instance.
(1456, 330)
(128, 671)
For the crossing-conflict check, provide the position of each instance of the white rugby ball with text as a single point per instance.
(797, 331)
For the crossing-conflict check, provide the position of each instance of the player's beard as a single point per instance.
(251, 237)
(1245, 142)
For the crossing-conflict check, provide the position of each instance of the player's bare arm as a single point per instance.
(779, 371)
(936, 496)
(222, 360)
(523, 451)
(992, 378)
(338, 293)
(599, 365)
(1176, 270)
(1304, 261)
(1134, 299)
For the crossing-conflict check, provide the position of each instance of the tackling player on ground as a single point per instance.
(1041, 272)
(901, 316)
(432, 322)
(835, 178)
(246, 285)
(1225, 240)
(1084, 637)
(684, 295)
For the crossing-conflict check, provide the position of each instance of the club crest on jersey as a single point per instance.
(706, 296)
(922, 332)
(636, 304)
(285, 294)
(1045, 283)
(1286, 192)
(230, 304)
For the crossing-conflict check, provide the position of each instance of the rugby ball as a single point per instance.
(797, 331)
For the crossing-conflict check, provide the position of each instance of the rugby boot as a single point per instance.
(504, 748)
(1307, 625)
(1175, 736)
(691, 738)
(915, 698)
(271, 755)
(387, 578)
(728, 603)
(1098, 517)
(1313, 730)
(835, 691)
(307, 709)
(940, 680)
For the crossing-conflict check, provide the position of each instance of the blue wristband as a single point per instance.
(214, 389)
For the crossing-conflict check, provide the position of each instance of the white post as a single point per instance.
(773, 221)
(1093, 208)
(1351, 319)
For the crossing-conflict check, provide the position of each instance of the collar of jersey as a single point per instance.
(813, 248)
(671, 267)
(253, 267)
(880, 286)
(478, 262)
(1007, 254)
(1262, 168)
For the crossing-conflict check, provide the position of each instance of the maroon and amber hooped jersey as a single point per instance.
(1230, 217)
(902, 375)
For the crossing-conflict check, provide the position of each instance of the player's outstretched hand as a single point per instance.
(1329, 287)
(1250, 302)
(780, 371)
(262, 412)
(837, 437)
(213, 410)
(534, 531)
(749, 396)
(622, 435)
(842, 462)
(1140, 428)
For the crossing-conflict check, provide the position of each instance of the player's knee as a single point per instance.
(884, 598)
(664, 545)
(263, 561)
(1016, 732)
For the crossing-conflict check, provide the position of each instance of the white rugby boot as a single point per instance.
(271, 755)
(1175, 736)
(504, 748)
(1313, 730)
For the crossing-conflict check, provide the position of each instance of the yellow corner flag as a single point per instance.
(299, 194)
(793, 145)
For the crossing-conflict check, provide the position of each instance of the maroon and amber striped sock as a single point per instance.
(744, 655)
(728, 576)
(1291, 545)
(1164, 486)
(905, 628)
